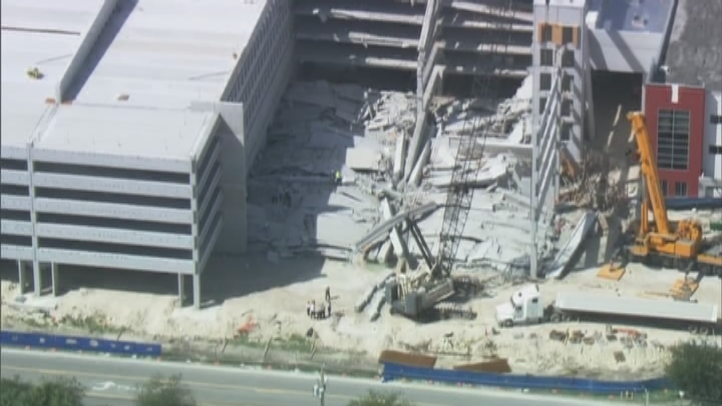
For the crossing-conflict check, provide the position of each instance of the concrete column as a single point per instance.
(197, 290)
(37, 279)
(181, 289)
(21, 276)
(54, 278)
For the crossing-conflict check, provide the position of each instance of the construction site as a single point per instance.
(487, 185)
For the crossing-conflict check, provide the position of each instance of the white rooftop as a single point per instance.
(43, 34)
(164, 134)
(168, 53)
(152, 60)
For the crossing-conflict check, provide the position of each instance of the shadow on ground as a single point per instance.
(225, 278)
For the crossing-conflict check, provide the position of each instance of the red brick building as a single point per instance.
(676, 123)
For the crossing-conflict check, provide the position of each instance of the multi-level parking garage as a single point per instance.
(458, 38)
(128, 126)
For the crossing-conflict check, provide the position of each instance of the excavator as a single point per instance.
(677, 245)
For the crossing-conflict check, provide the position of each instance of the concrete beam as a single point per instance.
(485, 25)
(435, 81)
(415, 176)
(476, 46)
(358, 38)
(337, 54)
(90, 38)
(22, 281)
(399, 155)
(391, 13)
(414, 146)
(181, 289)
(37, 280)
(400, 247)
(55, 278)
(476, 7)
(196, 291)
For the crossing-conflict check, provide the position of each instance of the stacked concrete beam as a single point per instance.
(403, 35)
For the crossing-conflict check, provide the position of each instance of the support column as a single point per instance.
(54, 278)
(21, 276)
(197, 290)
(37, 279)
(181, 289)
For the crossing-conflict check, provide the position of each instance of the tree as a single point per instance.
(696, 369)
(159, 391)
(374, 398)
(57, 392)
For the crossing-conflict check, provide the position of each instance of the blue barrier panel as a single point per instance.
(395, 371)
(78, 343)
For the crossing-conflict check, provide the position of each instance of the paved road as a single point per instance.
(112, 382)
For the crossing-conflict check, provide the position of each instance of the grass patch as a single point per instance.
(295, 342)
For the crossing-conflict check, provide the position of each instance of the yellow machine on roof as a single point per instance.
(662, 242)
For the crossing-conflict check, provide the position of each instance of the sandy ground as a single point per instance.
(272, 295)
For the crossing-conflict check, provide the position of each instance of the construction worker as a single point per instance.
(337, 177)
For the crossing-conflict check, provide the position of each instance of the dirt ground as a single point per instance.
(271, 299)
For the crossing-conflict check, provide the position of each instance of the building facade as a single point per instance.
(141, 168)
(711, 180)
(676, 123)
(559, 45)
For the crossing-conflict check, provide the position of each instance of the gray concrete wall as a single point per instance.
(274, 70)
(118, 261)
(623, 51)
(712, 165)
(90, 37)
(123, 223)
(16, 225)
(229, 128)
(112, 161)
(208, 174)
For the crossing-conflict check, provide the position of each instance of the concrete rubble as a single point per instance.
(295, 207)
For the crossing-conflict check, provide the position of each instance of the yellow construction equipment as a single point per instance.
(34, 73)
(612, 271)
(662, 242)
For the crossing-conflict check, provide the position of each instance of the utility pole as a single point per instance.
(319, 389)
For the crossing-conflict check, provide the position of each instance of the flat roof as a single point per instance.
(694, 54)
(147, 133)
(635, 15)
(43, 34)
(167, 53)
(153, 59)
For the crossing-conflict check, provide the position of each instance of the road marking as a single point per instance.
(109, 377)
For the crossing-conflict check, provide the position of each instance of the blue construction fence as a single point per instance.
(396, 371)
(74, 343)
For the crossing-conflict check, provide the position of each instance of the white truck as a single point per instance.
(525, 307)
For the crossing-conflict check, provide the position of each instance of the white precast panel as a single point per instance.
(637, 307)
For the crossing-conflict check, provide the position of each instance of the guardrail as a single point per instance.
(396, 371)
(14, 338)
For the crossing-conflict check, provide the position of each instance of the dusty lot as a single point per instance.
(275, 294)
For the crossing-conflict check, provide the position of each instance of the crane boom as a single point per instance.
(649, 170)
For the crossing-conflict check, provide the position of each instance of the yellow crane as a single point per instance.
(662, 242)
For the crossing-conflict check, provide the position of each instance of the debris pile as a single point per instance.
(298, 203)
